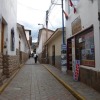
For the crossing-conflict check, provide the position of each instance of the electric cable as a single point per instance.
(30, 7)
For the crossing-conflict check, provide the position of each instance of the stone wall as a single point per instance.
(57, 61)
(90, 78)
(10, 64)
(40, 58)
(1, 69)
(24, 57)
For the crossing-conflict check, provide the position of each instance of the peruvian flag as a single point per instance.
(71, 4)
(74, 10)
(66, 15)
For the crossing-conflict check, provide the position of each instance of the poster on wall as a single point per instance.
(63, 58)
(76, 70)
(73, 54)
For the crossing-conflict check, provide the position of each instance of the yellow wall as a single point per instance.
(57, 42)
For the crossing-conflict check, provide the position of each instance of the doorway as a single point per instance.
(53, 55)
(69, 54)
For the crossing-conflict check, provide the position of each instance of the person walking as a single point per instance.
(35, 57)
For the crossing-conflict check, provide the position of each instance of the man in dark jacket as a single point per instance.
(35, 57)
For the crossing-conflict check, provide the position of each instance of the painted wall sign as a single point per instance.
(76, 25)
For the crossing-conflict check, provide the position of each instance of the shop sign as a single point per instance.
(76, 25)
(63, 58)
(76, 70)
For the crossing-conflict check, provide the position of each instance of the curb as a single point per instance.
(72, 91)
(10, 79)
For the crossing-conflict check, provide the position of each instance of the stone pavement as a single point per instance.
(87, 92)
(34, 82)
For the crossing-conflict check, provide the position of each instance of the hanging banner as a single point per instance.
(73, 54)
(63, 58)
(76, 70)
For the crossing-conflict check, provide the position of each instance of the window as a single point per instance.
(12, 39)
(85, 48)
(75, 2)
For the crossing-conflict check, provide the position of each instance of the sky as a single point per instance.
(30, 13)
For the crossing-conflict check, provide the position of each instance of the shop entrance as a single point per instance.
(69, 54)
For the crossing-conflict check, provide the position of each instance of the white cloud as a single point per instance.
(32, 12)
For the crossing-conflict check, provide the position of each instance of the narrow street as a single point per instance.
(34, 82)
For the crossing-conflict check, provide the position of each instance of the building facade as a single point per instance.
(83, 39)
(53, 47)
(9, 39)
(8, 44)
(29, 39)
(24, 47)
(43, 35)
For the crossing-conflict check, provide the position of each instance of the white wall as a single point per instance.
(99, 5)
(24, 45)
(27, 34)
(88, 13)
(8, 10)
(44, 35)
(39, 48)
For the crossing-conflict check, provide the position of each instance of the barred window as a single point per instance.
(12, 39)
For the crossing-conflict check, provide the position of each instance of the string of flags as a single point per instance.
(66, 15)
(71, 4)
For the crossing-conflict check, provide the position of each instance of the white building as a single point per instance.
(24, 47)
(83, 39)
(43, 35)
(9, 39)
(8, 43)
(29, 39)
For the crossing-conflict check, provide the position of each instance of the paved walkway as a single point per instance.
(82, 89)
(34, 82)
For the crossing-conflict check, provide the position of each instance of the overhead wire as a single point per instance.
(51, 25)
(49, 12)
(30, 7)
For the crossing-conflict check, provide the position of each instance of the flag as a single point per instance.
(74, 10)
(66, 15)
(71, 4)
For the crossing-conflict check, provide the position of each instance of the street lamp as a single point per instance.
(41, 24)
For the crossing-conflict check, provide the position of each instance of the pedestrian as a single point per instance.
(35, 57)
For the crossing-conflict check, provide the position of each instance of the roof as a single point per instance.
(39, 34)
(21, 29)
(55, 34)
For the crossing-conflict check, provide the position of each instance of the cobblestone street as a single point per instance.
(34, 82)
